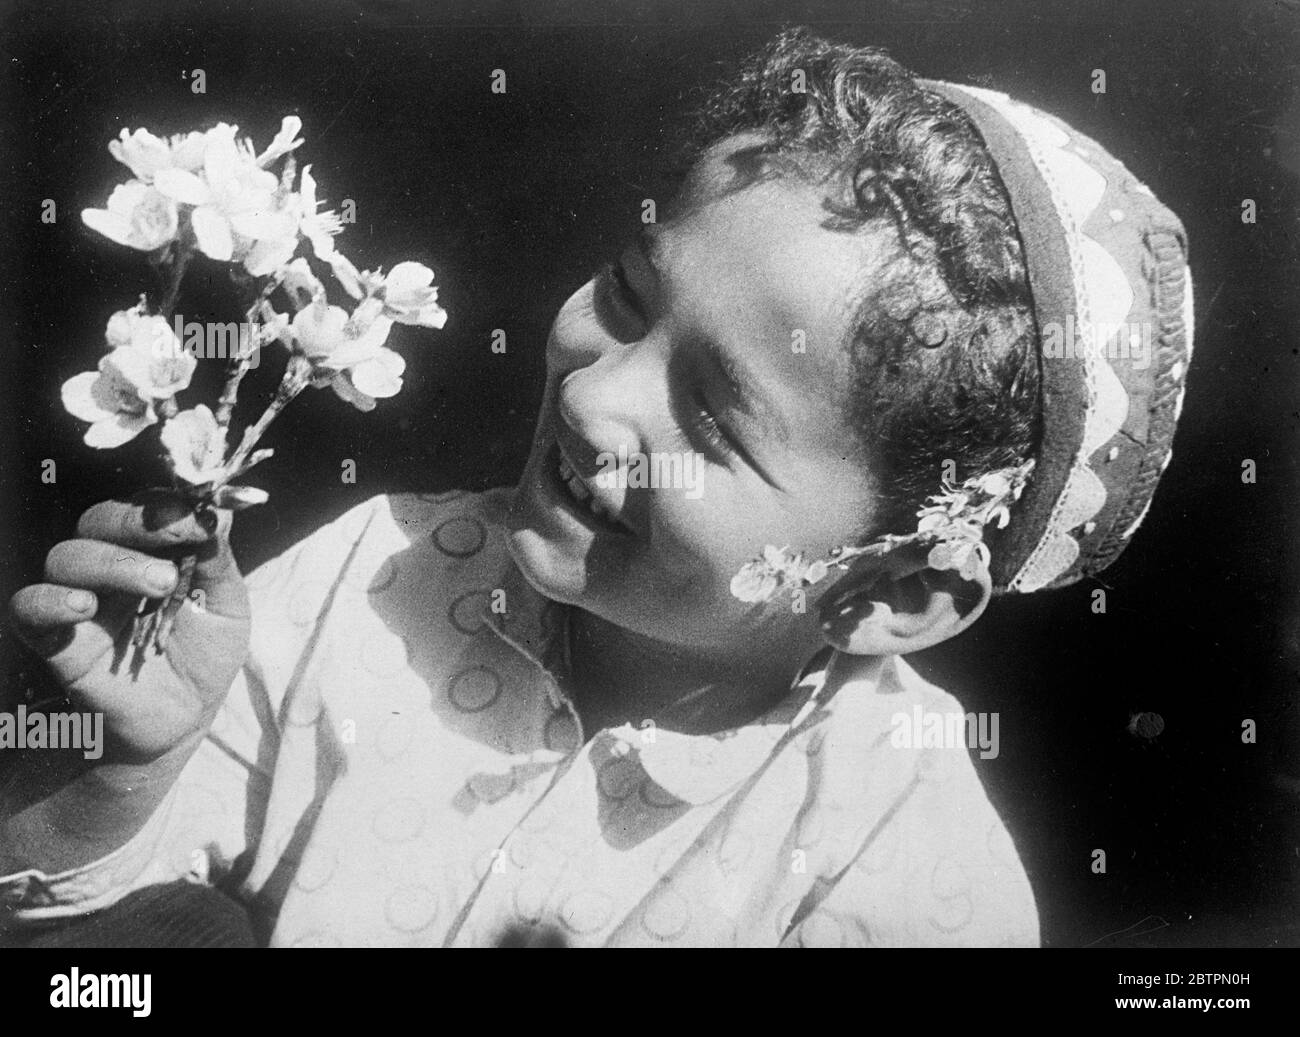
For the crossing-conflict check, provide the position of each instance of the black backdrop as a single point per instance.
(513, 198)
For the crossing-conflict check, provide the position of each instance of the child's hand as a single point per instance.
(80, 619)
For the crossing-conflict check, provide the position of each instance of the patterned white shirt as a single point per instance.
(397, 764)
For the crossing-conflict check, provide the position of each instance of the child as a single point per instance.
(462, 718)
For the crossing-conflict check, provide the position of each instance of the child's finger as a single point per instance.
(36, 609)
(154, 522)
(49, 620)
(100, 566)
(216, 572)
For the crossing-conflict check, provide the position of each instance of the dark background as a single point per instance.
(514, 199)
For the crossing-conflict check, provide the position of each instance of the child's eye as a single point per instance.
(708, 425)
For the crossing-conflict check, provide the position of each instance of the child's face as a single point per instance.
(725, 356)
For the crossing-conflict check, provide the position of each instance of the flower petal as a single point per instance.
(237, 498)
(429, 316)
(262, 225)
(353, 351)
(940, 556)
(318, 329)
(407, 277)
(142, 152)
(212, 232)
(182, 186)
(79, 400)
(121, 328)
(265, 257)
(120, 428)
(380, 377)
(114, 227)
(127, 197)
(347, 391)
(187, 151)
(221, 157)
(754, 583)
(150, 217)
(300, 282)
(195, 445)
(307, 191)
(284, 140)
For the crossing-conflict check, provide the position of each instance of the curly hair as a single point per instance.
(945, 351)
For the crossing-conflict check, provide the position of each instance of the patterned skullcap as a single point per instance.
(1112, 295)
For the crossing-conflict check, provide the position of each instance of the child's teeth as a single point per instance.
(579, 491)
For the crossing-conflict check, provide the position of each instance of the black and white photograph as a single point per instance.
(805, 474)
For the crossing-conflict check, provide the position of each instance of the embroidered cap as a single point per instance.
(1112, 295)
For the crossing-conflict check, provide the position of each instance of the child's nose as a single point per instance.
(609, 402)
(594, 417)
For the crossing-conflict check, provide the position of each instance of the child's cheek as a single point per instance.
(696, 567)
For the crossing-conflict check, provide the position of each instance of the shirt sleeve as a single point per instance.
(941, 872)
(215, 811)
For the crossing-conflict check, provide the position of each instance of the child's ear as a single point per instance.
(898, 604)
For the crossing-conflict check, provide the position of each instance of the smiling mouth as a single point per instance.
(578, 496)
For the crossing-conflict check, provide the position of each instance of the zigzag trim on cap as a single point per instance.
(1044, 164)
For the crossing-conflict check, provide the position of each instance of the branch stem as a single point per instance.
(177, 273)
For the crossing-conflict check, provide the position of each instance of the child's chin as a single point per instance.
(547, 569)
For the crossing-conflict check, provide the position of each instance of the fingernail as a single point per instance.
(161, 576)
(80, 601)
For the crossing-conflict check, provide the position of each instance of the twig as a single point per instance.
(229, 393)
(297, 376)
(183, 254)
